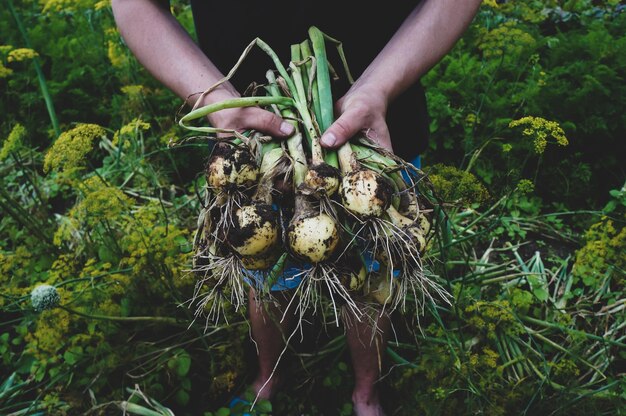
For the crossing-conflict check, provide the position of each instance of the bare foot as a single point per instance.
(367, 405)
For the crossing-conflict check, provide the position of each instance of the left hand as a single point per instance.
(361, 109)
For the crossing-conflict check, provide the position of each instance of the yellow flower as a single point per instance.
(71, 148)
(540, 129)
(13, 142)
(21, 54)
(103, 4)
(135, 126)
(471, 119)
(116, 54)
(525, 186)
(65, 5)
(5, 49)
(4, 71)
(490, 3)
(505, 40)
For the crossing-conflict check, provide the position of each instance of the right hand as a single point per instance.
(252, 118)
(246, 118)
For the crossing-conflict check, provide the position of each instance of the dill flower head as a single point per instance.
(4, 71)
(133, 128)
(44, 297)
(525, 186)
(72, 147)
(21, 54)
(457, 186)
(13, 142)
(508, 39)
(540, 130)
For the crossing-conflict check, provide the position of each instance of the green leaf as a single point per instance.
(180, 363)
(106, 255)
(541, 293)
(72, 355)
(223, 411)
(182, 397)
(263, 406)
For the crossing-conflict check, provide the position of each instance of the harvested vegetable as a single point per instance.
(353, 219)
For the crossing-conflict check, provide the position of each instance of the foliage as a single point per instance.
(454, 185)
(528, 124)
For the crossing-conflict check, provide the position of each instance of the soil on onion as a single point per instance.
(238, 235)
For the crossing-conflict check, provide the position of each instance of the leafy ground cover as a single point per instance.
(526, 156)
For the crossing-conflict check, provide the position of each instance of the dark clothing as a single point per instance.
(225, 28)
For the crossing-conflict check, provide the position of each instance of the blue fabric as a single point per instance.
(417, 162)
(237, 400)
(291, 276)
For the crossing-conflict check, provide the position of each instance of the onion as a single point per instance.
(366, 193)
(353, 276)
(255, 226)
(312, 235)
(231, 167)
(409, 227)
(323, 178)
(262, 262)
(380, 288)
(255, 230)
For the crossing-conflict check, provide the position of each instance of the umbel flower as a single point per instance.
(44, 297)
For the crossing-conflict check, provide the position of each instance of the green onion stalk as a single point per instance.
(313, 235)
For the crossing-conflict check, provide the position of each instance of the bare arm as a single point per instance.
(166, 50)
(426, 35)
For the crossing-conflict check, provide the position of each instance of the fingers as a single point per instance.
(252, 118)
(346, 126)
(267, 122)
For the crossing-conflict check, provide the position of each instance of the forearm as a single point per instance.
(427, 34)
(165, 49)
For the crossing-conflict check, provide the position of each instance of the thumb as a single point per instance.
(268, 123)
(346, 126)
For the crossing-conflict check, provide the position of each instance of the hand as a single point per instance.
(361, 109)
(247, 118)
(252, 118)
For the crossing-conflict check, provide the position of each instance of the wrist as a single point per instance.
(375, 86)
(369, 96)
(222, 93)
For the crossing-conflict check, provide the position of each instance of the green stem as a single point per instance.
(274, 273)
(572, 331)
(40, 76)
(363, 152)
(232, 103)
(279, 66)
(160, 319)
(294, 143)
(312, 134)
(399, 359)
(324, 97)
(305, 47)
(323, 79)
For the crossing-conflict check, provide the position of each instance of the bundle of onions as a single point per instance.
(248, 242)
(348, 201)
